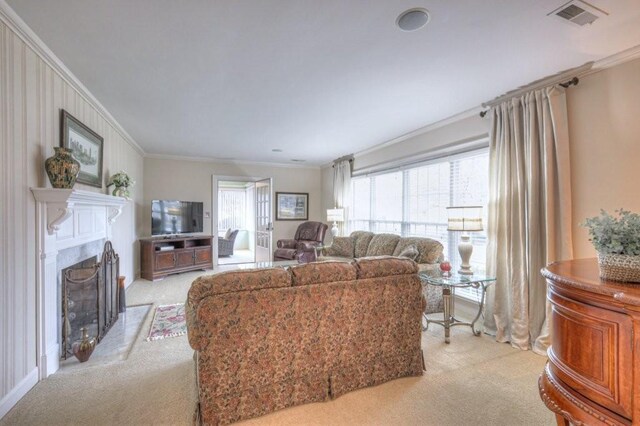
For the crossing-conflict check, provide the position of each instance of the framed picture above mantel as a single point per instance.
(292, 206)
(87, 148)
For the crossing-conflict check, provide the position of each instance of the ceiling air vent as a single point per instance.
(578, 12)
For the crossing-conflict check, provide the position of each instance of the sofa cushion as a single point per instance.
(384, 266)
(430, 250)
(361, 240)
(341, 246)
(322, 272)
(383, 245)
(410, 252)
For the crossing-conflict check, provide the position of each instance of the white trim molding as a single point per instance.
(64, 218)
(450, 150)
(426, 129)
(627, 55)
(20, 390)
(26, 34)
(238, 162)
(587, 69)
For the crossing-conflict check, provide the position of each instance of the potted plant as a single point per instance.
(122, 183)
(617, 240)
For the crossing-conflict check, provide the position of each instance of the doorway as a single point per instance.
(241, 220)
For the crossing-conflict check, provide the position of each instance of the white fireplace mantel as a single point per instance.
(64, 218)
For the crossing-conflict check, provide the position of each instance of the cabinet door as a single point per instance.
(203, 255)
(591, 351)
(165, 261)
(185, 258)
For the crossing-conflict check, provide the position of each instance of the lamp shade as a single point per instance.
(465, 218)
(335, 215)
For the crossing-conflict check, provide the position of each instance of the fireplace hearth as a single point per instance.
(89, 298)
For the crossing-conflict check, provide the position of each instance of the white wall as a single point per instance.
(191, 181)
(31, 95)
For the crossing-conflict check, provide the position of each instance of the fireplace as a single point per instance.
(65, 219)
(89, 298)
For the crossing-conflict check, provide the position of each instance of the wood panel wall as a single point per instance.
(32, 92)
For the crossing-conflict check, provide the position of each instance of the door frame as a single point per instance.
(215, 179)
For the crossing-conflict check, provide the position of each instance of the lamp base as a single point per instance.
(335, 230)
(465, 248)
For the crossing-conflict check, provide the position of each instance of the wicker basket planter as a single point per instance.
(619, 267)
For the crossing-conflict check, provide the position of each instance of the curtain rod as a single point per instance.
(343, 158)
(564, 78)
(573, 82)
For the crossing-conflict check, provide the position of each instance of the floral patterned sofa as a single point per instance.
(267, 339)
(425, 251)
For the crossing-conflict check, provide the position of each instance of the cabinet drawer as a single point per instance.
(165, 261)
(203, 255)
(591, 352)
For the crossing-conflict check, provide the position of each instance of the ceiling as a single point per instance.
(234, 79)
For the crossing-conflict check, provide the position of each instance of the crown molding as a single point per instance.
(10, 18)
(428, 128)
(236, 162)
(587, 69)
(616, 59)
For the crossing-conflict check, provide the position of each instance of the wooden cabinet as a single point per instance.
(163, 256)
(593, 370)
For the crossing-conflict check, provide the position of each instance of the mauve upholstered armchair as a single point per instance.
(302, 246)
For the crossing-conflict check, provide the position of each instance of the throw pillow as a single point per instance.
(410, 252)
(227, 234)
(341, 247)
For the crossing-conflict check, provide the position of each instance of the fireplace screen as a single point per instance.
(89, 298)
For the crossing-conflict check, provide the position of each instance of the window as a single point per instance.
(413, 202)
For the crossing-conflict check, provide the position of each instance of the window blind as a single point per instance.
(232, 205)
(412, 201)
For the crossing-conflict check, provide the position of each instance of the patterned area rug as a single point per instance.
(168, 321)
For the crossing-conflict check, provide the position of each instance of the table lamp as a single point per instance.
(465, 219)
(335, 215)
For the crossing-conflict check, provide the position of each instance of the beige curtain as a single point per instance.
(529, 212)
(342, 190)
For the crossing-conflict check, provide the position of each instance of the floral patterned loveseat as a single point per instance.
(266, 339)
(426, 252)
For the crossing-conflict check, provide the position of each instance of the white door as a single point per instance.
(264, 225)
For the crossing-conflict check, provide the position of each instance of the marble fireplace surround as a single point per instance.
(65, 218)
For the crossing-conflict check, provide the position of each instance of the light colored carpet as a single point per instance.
(472, 381)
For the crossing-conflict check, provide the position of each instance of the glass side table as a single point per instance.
(449, 285)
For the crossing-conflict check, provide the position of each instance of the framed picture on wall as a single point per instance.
(87, 148)
(292, 206)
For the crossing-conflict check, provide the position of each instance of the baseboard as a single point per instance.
(51, 360)
(18, 392)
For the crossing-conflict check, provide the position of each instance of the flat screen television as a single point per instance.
(169, 217)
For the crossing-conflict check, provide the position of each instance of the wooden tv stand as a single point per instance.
(161, 256)
(593, 373)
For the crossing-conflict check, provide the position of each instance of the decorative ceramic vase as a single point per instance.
(83, 349)
(62, 168)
